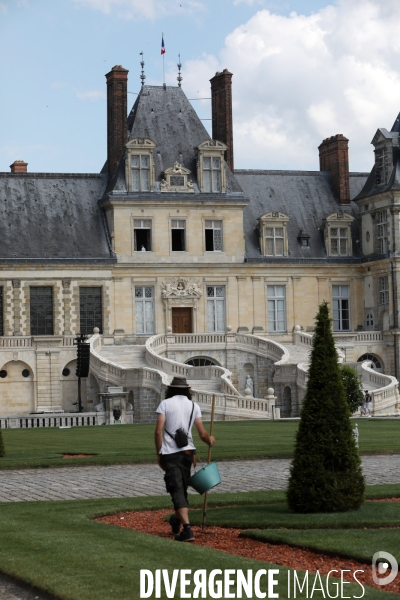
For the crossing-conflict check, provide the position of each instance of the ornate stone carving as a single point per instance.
(181, 287)
(176, 180)
(66, 283)
(16, 283)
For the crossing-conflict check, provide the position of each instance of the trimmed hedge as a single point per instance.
(326, 471)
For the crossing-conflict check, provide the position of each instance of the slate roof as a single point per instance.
(307, 197)
(370, 188)
(166, 116)
(46, 217)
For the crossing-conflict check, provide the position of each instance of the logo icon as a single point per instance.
(381, 563)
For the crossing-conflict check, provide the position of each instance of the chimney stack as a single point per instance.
(117, 90)
(221, 99)
(19, 166)
(334, 157)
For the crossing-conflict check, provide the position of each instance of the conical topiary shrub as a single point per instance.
(2, 450)
(326, 471)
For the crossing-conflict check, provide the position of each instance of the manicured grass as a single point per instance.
(360, 544)
(134, 443)
(271, 516)
(56, 547)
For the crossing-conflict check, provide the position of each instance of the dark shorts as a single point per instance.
(177, 472)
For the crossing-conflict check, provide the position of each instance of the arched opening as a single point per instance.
(385, 321)
(17, 394)
(377, 364)
(69, 388)
(201, 361)
(131, 400)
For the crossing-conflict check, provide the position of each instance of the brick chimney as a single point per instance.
(221, 99)
(334, 157)
(19, 166)
(117, 89)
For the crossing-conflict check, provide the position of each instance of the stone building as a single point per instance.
(188, 265)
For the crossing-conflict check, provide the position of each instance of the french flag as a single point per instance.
(162, 45)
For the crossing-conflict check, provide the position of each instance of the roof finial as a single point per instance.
(142, 75)
(179, 78)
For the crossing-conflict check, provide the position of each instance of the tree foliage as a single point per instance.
(326, 471)
(352, 387)
(2, 450)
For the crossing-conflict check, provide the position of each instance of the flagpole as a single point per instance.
(163, 63)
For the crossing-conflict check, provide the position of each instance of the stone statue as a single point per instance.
(250, 384)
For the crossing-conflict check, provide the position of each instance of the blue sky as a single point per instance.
(303, 70)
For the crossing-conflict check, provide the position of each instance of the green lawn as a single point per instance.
(57, 547)
(134, 443)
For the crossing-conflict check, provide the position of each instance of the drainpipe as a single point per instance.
(395, 320)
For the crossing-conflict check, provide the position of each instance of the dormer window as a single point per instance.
(304, 239)
(273, 234)
(211, 174)
(381, 166)
(139, 165)
(338, 234)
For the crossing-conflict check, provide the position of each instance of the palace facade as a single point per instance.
(188, 265)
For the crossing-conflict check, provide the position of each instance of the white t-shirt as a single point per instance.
(177, 411)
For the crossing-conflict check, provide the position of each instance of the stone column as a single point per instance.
(66, 284)
(258, 305)
(16, 283)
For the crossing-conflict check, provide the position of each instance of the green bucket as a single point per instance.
(206, 478)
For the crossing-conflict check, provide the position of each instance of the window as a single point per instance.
(140, 165)
(381, 166)
(273, 234)
(216, 308)
(41, 306)
(144, 306)
(90, 307)
(383, 290)
(339, 241)
(213, 233)
(338, 234)
(1, 311)
(369, 321)
(376, 364)
(201, 361)
(382, 232)
(178, 236)
(276, 308)
(211, 174)
(341, 307)
(274, 241)
(142, 235)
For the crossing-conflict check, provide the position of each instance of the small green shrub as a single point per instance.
(353, 388)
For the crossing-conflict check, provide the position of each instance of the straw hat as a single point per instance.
(179, 382)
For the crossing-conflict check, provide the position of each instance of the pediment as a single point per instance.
(381, 136)
(272, 216)
(340, 216)
(177, 169)
(141, 143)
(212, 145)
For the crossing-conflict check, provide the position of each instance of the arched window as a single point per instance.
(201, 361)
(377, 365)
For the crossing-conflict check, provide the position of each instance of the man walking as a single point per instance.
(178, 412)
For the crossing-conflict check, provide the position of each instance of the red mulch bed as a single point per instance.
(228, 540)
(77, 455)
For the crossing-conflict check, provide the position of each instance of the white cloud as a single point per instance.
(300, 79)
(93, 95)
(147, 9)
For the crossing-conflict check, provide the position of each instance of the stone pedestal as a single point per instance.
(115, 398)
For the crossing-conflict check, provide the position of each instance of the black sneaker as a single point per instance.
(186, 535)
(175, 524)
